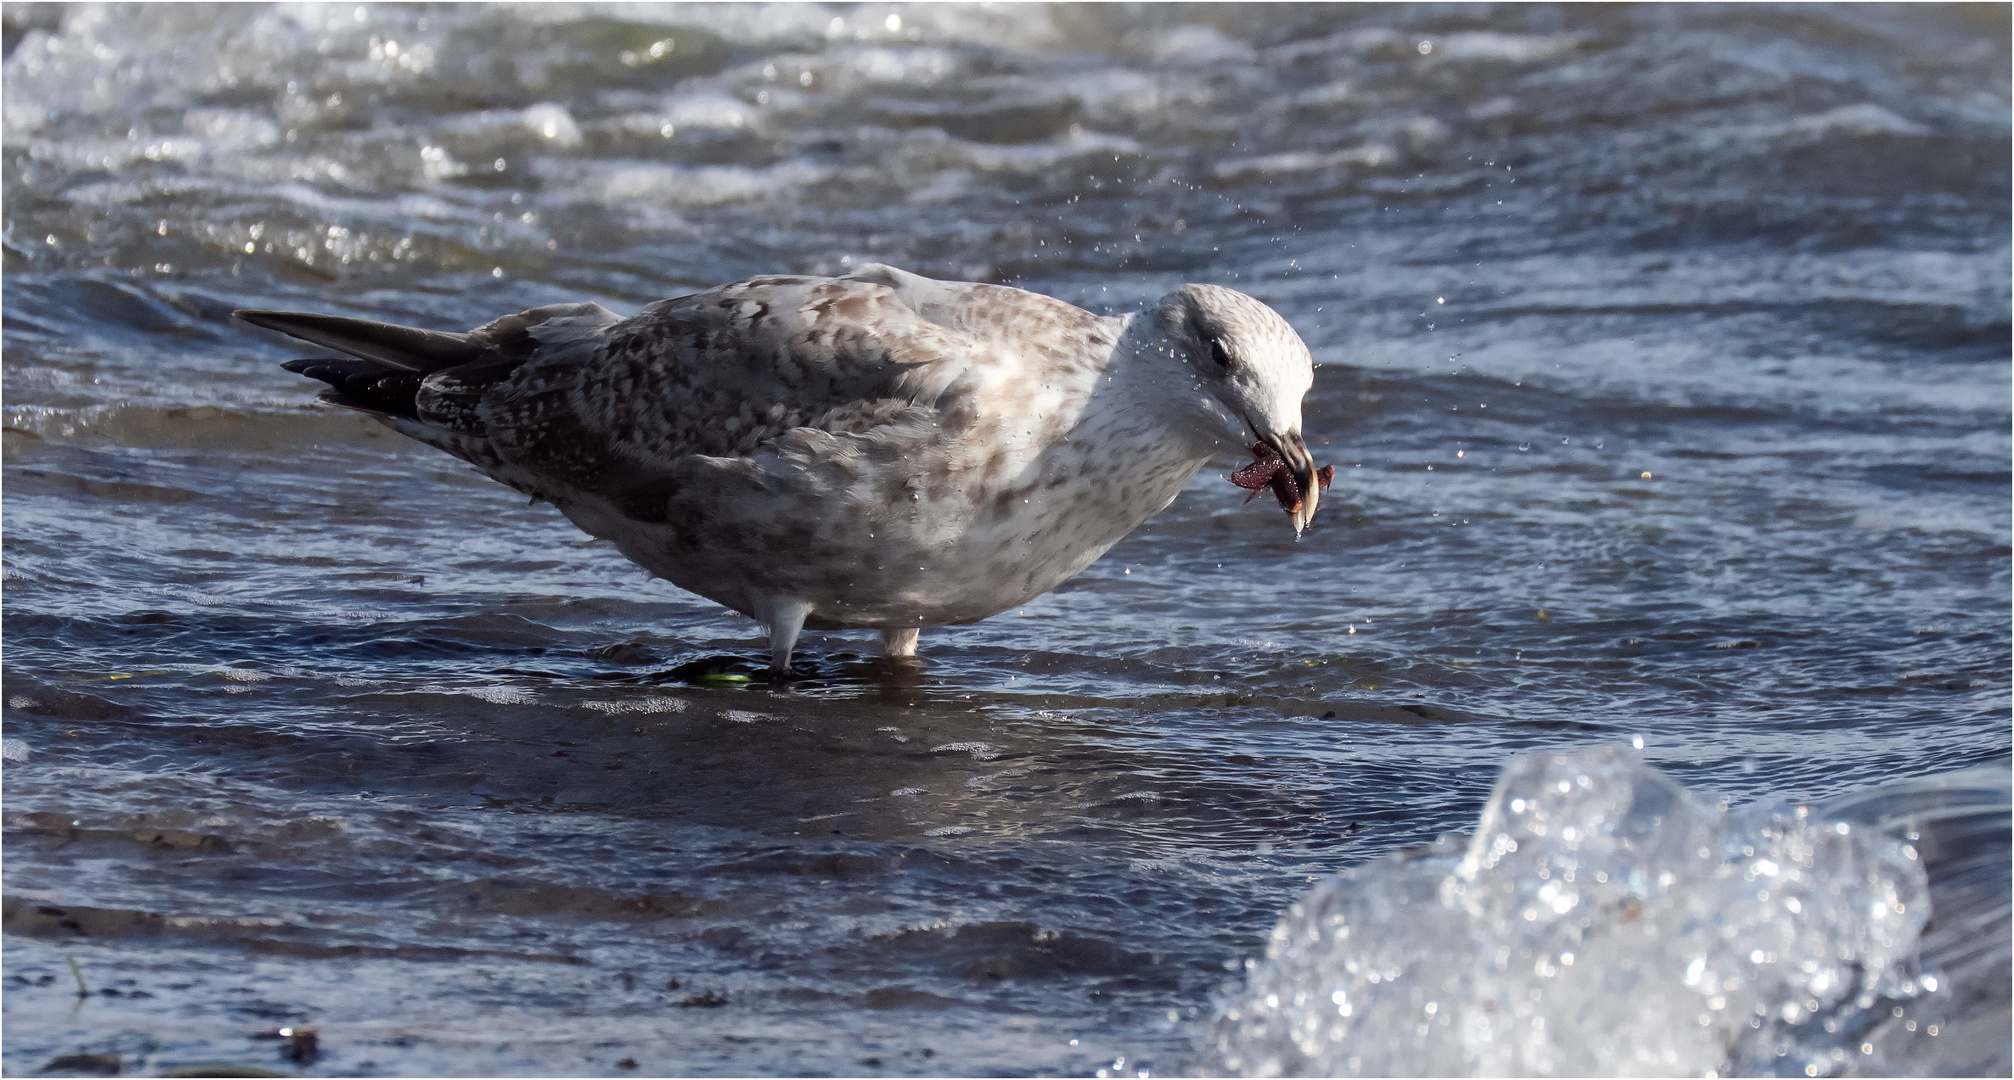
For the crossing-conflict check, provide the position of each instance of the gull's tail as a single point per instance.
(429, 376)
(432, 385)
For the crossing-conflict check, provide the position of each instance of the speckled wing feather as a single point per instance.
(629, 410)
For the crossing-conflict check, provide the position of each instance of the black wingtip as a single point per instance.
(283, 322)
(407, 347)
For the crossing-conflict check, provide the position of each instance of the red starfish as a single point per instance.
(1270, 470)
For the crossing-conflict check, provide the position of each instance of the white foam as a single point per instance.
(494, 695)
(237, 674)
(636, 705)
(980, 751)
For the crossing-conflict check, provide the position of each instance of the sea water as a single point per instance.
(1663, 359)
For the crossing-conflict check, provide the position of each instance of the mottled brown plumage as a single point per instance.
(877, 450)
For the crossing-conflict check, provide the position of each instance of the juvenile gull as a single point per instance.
(876, 450)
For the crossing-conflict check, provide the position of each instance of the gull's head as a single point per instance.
(1253, 370)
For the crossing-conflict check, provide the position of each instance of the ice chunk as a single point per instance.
(1604, 920)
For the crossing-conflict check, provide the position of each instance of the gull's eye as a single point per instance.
(1218, 354)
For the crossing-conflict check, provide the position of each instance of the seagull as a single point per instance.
(877, 450)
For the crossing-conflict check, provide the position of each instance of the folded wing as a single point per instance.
(572, 401)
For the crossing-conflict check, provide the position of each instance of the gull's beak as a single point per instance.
(1294, 451)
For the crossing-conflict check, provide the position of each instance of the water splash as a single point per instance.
(1605, 920)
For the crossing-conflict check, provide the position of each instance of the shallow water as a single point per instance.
(1664, 358)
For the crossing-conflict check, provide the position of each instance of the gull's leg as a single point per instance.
(783, 616)
(899, 642)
